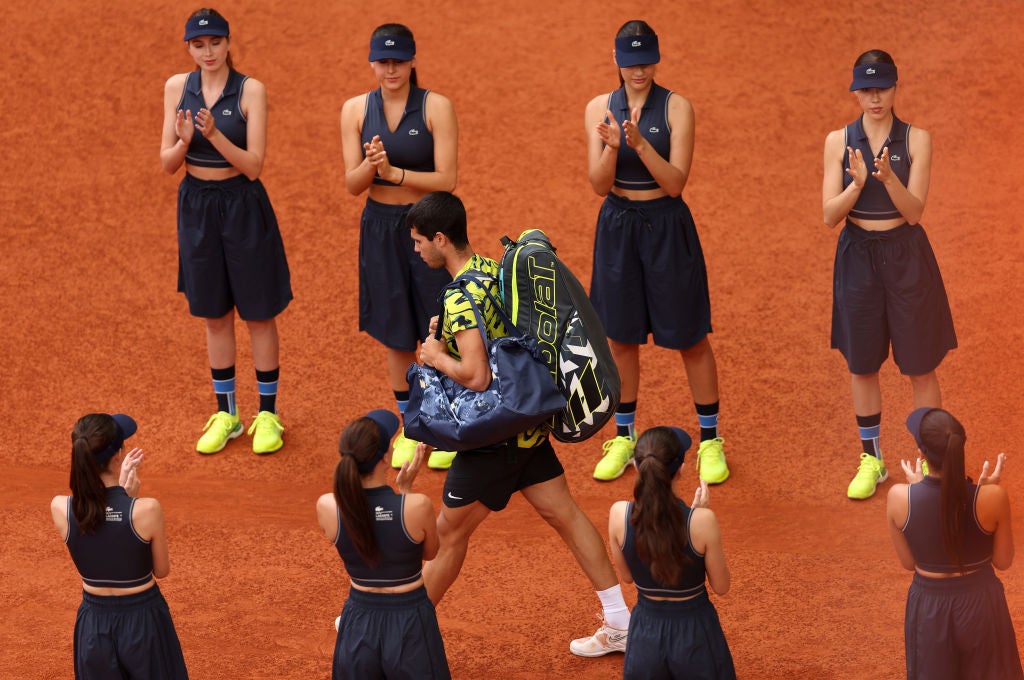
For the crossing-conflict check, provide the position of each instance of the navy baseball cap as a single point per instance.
(124, 427)
(206, 24)
(882, 76)
(637, 50)
(387, 423)
(398, 47)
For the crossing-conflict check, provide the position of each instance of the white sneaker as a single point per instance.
(337, 623)
(605, 641)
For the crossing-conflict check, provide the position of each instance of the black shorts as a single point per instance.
(649, 276)
(127, 636)
(960, 629)
(230, 252)
(492, 474)
(398, 292)
(384, 635)
(887, 289)
(682, 639)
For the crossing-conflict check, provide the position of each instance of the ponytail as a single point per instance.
(359, 442)
(942, 440)
(657, 518)
(92, 433)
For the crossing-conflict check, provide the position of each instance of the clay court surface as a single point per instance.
(93, 322)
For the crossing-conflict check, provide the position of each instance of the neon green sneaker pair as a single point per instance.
(870, 473)
(222, 427)
(404, 449)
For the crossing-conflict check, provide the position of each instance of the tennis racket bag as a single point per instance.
(546, 300)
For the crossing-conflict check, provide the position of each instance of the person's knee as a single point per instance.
(698, 351)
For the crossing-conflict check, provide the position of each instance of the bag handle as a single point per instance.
(481, 280)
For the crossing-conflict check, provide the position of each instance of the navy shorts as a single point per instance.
(960, 629)
(887, 289)
(385, 635)
(398, 292)
(492, 474)
(230, 252)
(127, 636)
(649, 276)
(676, 639)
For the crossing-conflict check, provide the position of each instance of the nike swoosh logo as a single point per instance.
(454, 498)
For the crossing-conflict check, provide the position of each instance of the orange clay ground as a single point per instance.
(93, 321)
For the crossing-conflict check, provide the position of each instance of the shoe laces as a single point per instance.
(869, 466)
(621, 446)
(711, 452)
(265, 420)
(222, 419)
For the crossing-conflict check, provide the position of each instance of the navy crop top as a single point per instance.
(114, 556)
(411, 145)
(630, 171)
(923, 530)
(401, 558)
(690, 583)
(874, 202)
(227, 115)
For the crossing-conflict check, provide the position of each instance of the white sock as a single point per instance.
(616, 613)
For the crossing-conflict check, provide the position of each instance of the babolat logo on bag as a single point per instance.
(546, 300)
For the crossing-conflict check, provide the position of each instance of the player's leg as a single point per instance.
(266, 429)
(455, 526)
(224, 425)
(702, 374)
(557, 507)
(867, 406)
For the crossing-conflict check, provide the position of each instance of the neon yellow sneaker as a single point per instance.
(402, 450)
(221, 427)
(870, 474)
(711, 464)
(618, 453)
(266, 432)
(440, 460)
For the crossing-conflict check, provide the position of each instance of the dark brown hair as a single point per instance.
(657, 517)
(359, 442)
(943, 439)
(92, 433)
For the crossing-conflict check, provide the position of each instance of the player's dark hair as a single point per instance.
(657, 518)
(359, 442)
(440, 212)
(943, 438)
(92, 433)
(210, 12)
(874, 57)
(402, 31)
(633, 27)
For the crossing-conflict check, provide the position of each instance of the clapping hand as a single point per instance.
(411, 468)
(914, 474)
(129, 477)
(609, 132)
(996, 475)
(858, 169)
(700, 497)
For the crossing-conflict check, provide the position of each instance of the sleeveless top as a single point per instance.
(114, 556)
(411, 145)
(227, 115)
(923, 529)
(874, 202)
(630, 171)
(691, 582)
(401, 558)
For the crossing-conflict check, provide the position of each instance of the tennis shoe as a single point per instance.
(440, 460)
(870, 473)
(402, 450)
(605, 641)
(711, 464)
(618, 453)
(266, 432)
(221, 427)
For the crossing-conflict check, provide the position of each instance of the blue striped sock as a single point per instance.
(869, 428)
(224, 388)
(625, 420)
(266, 381)
(707, 416)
